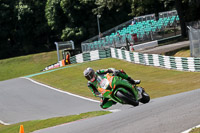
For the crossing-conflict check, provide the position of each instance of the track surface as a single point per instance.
(170, 114)
(22, 100)
(167, 48)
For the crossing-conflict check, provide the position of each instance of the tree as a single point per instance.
(144, 7)
(32, 28)
(71, 19)
(113, 12)
(180, 10)
(23, 27)
(7, 27)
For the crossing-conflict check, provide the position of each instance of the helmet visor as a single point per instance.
(90, 76)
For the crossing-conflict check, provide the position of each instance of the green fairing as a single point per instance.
(124, 76)
(120, 84)
(118, 81)
(108, 104)
(113, 84)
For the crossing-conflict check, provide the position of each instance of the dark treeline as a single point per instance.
(32, 26)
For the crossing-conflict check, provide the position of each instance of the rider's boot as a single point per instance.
(130, 80)
(137, 81)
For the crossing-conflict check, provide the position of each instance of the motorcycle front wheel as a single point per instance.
(127, 98)
(145, 97)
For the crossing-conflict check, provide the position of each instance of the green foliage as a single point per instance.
(113, 12)
(72, 19)
(22, 9)
(54, 14)
(69, 33)
(33, 26)
(23, 28)
(7, 26)
(110, 4)
(192, 10)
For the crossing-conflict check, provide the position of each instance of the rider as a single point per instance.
(90, 75)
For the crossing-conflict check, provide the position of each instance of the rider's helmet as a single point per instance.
(89, 74)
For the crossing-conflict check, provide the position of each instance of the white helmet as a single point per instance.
(89, 74)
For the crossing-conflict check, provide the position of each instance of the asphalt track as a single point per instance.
(23, 100)
(170, 114)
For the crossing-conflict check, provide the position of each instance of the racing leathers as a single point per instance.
(106, 102)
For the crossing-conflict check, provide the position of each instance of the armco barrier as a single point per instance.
(169, 62)
(90, 56)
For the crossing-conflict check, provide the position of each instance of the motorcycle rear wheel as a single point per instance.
(127, 98)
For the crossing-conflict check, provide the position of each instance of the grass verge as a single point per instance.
(158, 82)
(183, 52)
(195, 130)
(31, 126)
(24, 65)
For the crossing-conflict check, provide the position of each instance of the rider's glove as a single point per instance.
(100, 95)
(98, 71)
(116, 72)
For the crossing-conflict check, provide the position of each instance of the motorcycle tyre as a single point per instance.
(127, 98)
(145, 97)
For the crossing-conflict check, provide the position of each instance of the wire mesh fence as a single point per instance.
(194, 36)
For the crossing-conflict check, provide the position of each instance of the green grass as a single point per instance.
(24, 65)
(158, 82)
(183, 53)
(195, 130)
(31, 126)
(1, 125)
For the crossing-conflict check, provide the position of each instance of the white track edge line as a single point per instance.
(4, 123)
(114, 110)
(187, 131)
(60, 90)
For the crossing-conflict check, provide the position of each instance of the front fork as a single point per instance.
(135, 92)
(139, 91)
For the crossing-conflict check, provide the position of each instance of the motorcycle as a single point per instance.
(121, 91)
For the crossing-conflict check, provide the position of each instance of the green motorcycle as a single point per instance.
(121, 91)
